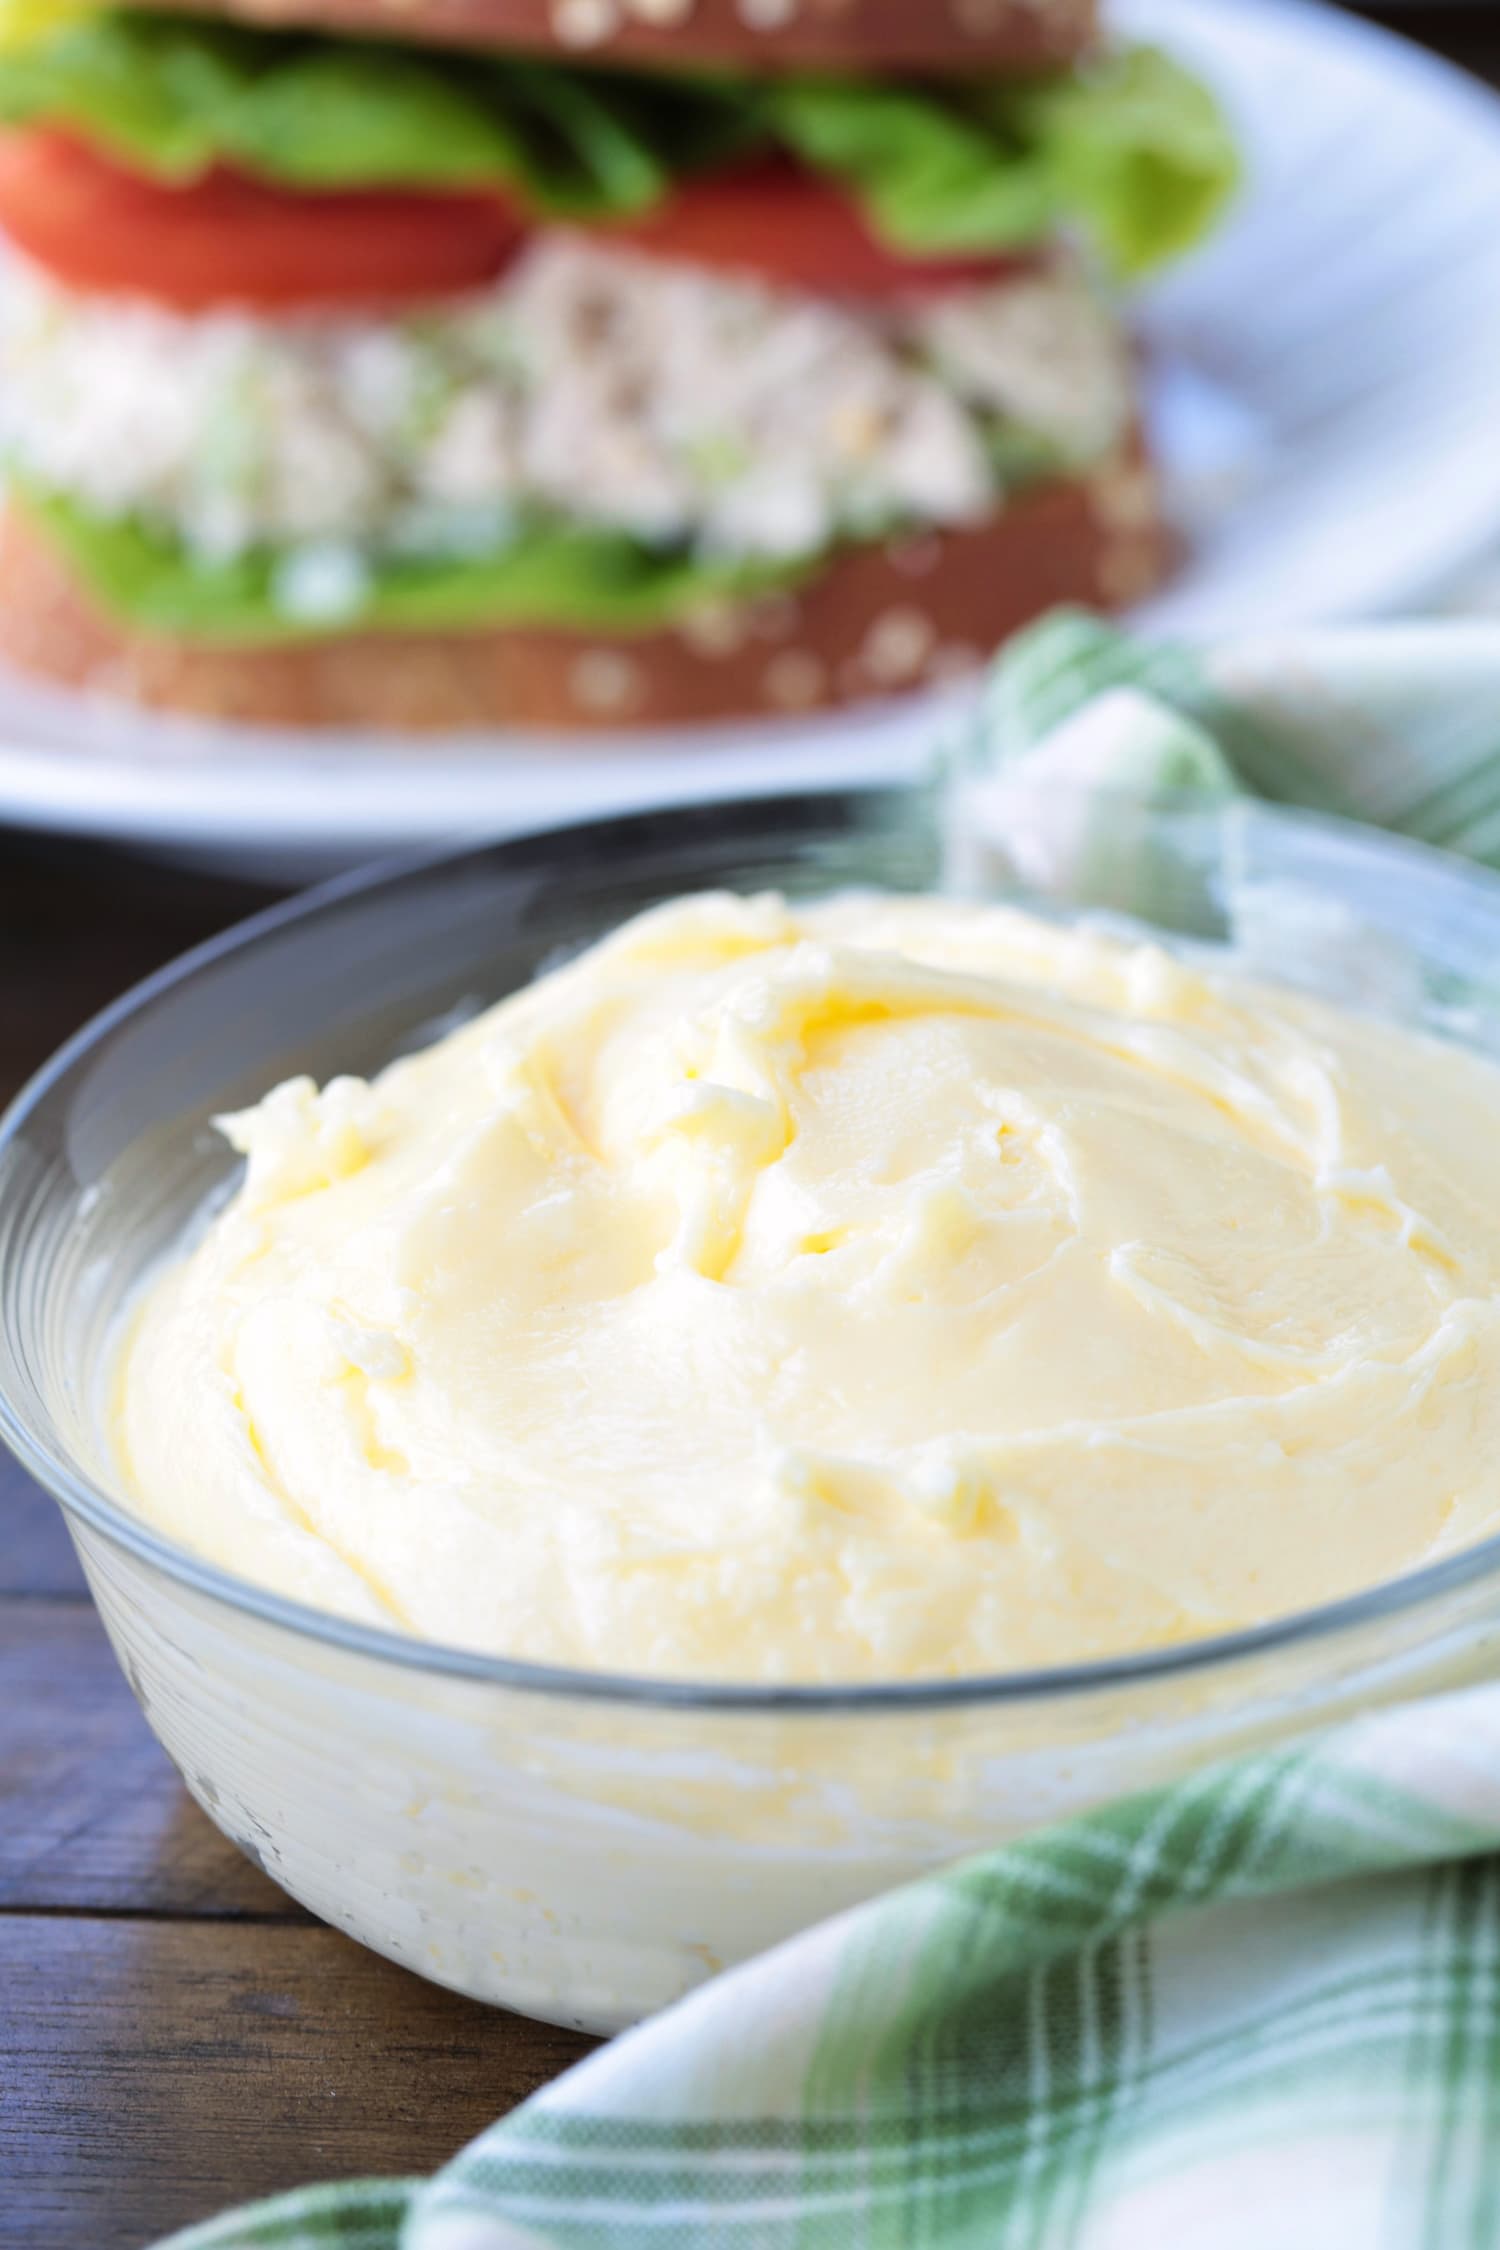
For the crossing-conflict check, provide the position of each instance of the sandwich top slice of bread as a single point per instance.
(751, 35)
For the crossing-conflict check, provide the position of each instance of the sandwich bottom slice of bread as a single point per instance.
(917, 609)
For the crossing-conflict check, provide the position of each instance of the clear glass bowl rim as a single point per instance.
(79, 1495)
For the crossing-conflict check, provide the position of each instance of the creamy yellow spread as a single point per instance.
(871, 1289)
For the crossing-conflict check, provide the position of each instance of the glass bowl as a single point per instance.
(582, 1846)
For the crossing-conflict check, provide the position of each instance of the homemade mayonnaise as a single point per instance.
(867, 1290)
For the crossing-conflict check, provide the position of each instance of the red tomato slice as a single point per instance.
(225, 239)
(788, 227)
(228, 240)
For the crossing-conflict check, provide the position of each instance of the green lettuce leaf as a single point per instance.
(171, 98)
(551, 574)
(1137, 152)
(932, 176)
(1130, 148)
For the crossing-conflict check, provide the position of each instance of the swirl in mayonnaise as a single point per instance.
(877, 1289)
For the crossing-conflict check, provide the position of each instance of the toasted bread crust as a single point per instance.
(880, 620)
(873, 35)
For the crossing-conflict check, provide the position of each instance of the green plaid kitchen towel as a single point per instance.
(1258, 2010)
(1398, 725)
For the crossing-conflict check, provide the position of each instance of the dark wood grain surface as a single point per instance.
(175, 2034)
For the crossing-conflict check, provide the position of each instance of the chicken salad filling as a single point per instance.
(594, 389)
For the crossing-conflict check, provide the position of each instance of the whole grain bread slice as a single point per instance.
(880, 620)
(752, 35)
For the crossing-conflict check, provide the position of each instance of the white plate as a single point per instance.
(1327, 394)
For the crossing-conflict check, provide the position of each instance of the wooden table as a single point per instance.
(175, 2035)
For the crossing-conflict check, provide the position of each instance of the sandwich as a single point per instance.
(571, 364)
